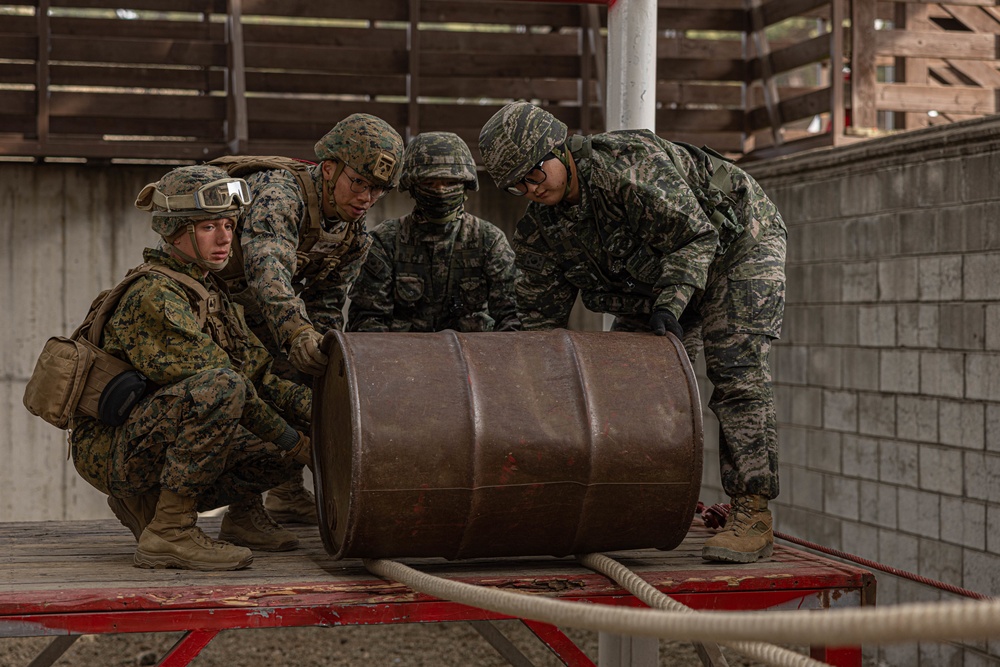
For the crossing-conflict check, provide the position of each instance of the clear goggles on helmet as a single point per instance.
(215, 197)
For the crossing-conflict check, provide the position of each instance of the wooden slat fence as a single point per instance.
(192, 79)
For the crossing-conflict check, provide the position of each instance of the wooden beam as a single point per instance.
(763, 50)
(940, 44)
(592, 21)
(777, 11)
(838, 116)
(947, 99)
(414, 43)
(863, 40)
(237, 129)
(912, 70)
(42, 73)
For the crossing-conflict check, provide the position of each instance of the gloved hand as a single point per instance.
(305, 354)
(662, 321)
(302, 451)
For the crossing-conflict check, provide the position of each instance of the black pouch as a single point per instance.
(120, 396)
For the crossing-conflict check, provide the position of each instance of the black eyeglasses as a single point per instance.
(361, 186)
(536, 176)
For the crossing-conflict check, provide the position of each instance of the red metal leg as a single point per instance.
(559, 643)
(187, 648)
(839, 656)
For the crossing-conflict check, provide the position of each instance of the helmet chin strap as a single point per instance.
(331, 187)
(564, 157)
(200, 259)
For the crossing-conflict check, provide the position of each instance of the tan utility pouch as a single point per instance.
(103, 369)
(58, 380)
(75, 376)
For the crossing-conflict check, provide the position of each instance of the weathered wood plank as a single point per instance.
(924, 44)
(144, 51)
(863, 65)
(951, 99)
(119, 105)
(188, 28)
(19, 47)
(499, 12)
(792, 109)
(330, 60)
(682, 69)
(681, 19)
(194, 6)
(777, 11)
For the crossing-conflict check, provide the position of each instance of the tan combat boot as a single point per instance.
(173, 540)
(248, 524)
(135, 512)
(747, 536)
(292, 502)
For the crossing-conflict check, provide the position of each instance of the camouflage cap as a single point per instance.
(516, 138)
(368, 145)
(180, 181)
(431, 155)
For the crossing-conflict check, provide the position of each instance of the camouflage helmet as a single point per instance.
(516, 138)
(180, 197)
(368, 145)
(431, 155)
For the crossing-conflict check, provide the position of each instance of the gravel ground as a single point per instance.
(409, 645)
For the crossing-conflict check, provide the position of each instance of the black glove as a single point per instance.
(662, 321)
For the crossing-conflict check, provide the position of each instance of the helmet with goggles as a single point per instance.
(516, 139)
(190, 194)
(438, 155)
(368, 145)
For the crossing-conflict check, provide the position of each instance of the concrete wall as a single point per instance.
(888, 373)
(68, 232)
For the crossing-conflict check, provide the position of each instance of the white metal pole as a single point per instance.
(631, 91)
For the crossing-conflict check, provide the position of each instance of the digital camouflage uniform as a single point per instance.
(286, 286)
(280, 299)
(207, 431)
(425, 277)
(640, 239)
(438, 267)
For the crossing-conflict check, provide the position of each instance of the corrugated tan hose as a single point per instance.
(634, 584)
(936, 621)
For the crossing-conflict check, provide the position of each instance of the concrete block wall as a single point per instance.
(887, 377)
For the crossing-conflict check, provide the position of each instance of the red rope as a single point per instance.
(715, 517)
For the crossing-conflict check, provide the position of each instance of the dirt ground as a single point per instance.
(410, 645)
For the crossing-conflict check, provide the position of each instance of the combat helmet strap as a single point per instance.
(579, 146)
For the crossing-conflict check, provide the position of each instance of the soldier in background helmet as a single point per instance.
(301, 244)
(217, 428)
(667, 238)
(438, 267)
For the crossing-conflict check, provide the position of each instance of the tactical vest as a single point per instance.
(208, 305)
(465, 290)
(319, 252)
(74, 376)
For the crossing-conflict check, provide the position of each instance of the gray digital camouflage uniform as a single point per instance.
(420, 276)
(640, 239)
(207, 431)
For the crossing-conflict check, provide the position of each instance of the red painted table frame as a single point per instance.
(307, 588)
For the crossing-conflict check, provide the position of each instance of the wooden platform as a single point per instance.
(65, 579)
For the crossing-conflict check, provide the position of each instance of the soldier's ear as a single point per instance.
(329, 168)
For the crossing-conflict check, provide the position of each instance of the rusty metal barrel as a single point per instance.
(505, 444)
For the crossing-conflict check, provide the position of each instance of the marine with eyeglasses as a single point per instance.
(302, 243)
